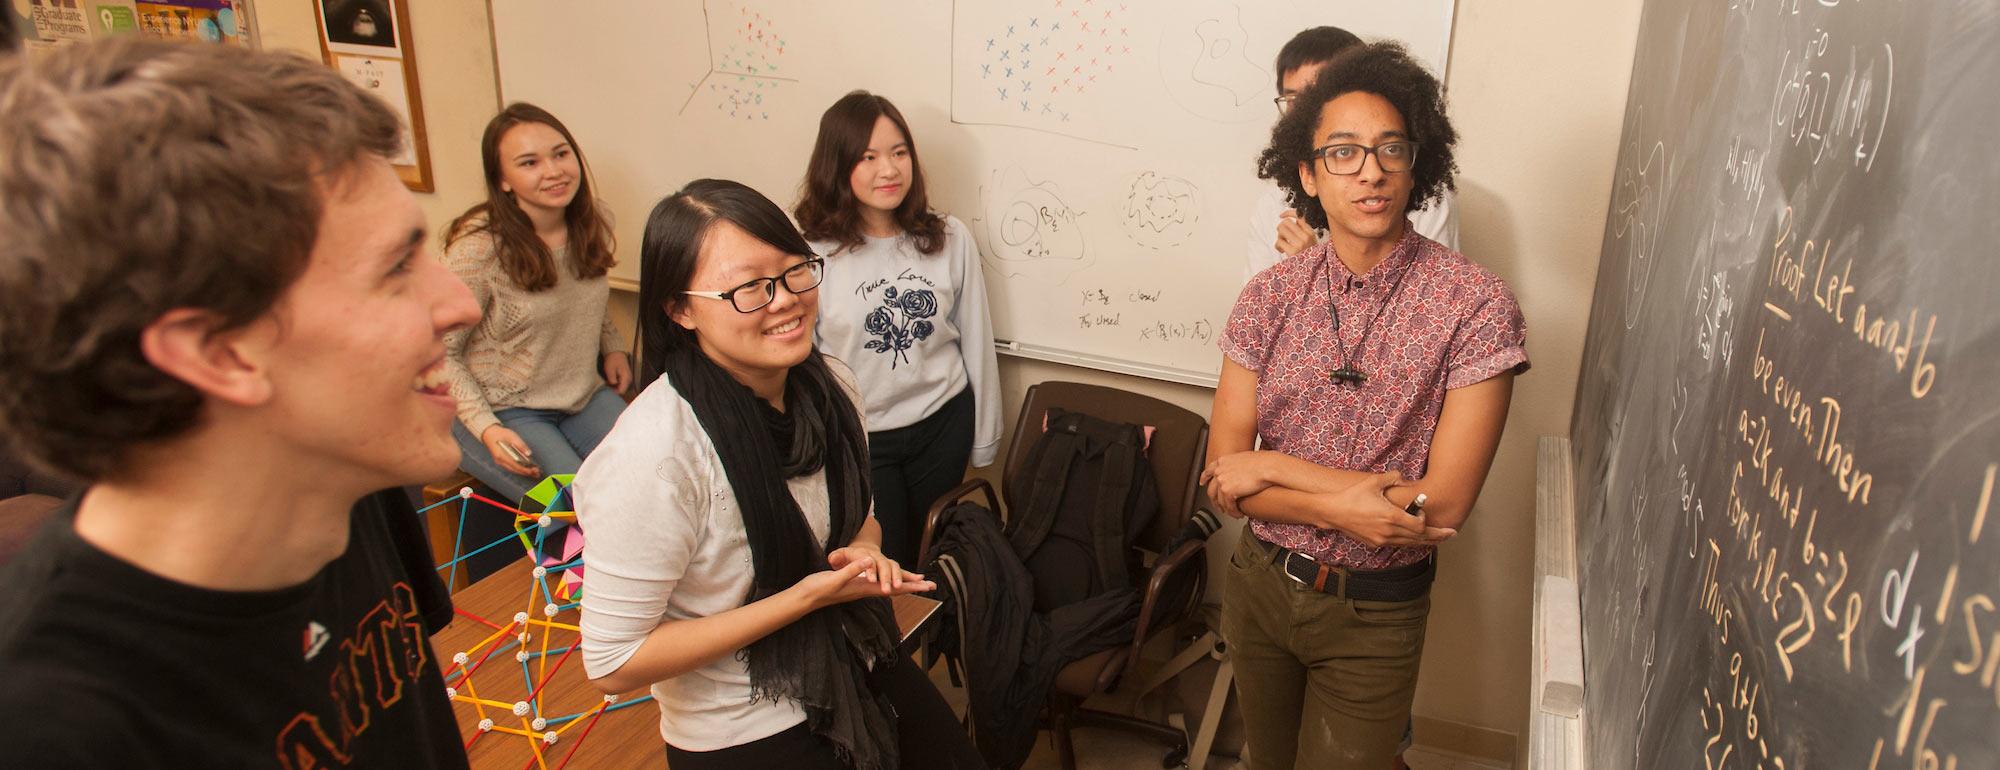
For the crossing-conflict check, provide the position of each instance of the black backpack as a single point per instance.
(1082, 498)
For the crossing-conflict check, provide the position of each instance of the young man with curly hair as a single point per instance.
(1276, 229)
(222, 317)
(1376, 366)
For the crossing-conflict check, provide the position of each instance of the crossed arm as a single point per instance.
(1273, 486)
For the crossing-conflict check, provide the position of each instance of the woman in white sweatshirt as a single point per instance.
(904, 304)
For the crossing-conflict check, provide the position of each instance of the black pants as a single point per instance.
(927, 735)
(912, 466)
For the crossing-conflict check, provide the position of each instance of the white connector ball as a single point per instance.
(520, 708)
(465, 492)
(486, 725)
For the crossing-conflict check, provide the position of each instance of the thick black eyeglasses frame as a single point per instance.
(813, 267)
(1326, 162)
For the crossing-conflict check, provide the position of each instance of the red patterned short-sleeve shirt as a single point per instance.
(1444, 323)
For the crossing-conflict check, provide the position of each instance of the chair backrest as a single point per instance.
(21, 516)
(1180, 438)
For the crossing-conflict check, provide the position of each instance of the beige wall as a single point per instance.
(1537, 92)
(1538, 96)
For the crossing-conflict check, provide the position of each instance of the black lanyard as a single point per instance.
(1345, 372)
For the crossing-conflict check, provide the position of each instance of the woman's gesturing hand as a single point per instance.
(885, 572)
(859, 571)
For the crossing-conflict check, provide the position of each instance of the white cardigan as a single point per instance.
(664, 540)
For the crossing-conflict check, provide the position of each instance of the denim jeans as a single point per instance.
(559, 441)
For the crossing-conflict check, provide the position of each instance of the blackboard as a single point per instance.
(1788, 419)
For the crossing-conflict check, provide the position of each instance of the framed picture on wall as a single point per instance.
(44, 25)
(366, 27)
(384, 79)
(208, 21)
(368, 41)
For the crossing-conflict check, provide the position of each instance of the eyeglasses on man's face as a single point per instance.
(755, 293)
(1285, 102)
(1346, 159)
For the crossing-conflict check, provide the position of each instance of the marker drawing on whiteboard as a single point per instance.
(739, 75)
(1160, 211)
(1031, 231)
(1042, 68)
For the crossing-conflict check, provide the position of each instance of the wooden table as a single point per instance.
(620, 738)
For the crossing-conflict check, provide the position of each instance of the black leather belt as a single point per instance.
(1395, 584)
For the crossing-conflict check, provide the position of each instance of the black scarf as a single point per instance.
(822, 660)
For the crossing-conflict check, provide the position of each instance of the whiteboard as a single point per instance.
(1101, 151)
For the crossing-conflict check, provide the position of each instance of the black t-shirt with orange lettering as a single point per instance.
(105, 665)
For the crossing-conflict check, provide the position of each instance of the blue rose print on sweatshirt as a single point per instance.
(900, 322)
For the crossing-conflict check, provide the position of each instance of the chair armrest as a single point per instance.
(1188, 553)
(937, 510)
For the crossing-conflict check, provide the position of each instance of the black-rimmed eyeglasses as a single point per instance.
(1346, 159)
(754, 294)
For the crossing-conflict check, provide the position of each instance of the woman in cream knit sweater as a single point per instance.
(532, 399)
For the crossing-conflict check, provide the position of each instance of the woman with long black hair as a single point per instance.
(734, 565)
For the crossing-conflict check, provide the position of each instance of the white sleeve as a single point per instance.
(975, 344)
(1439, 222)
(1261, 251)
(643, 509)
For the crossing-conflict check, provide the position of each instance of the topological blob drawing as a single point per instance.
(1160, 211)
(1031, 230)
(1205, 64)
